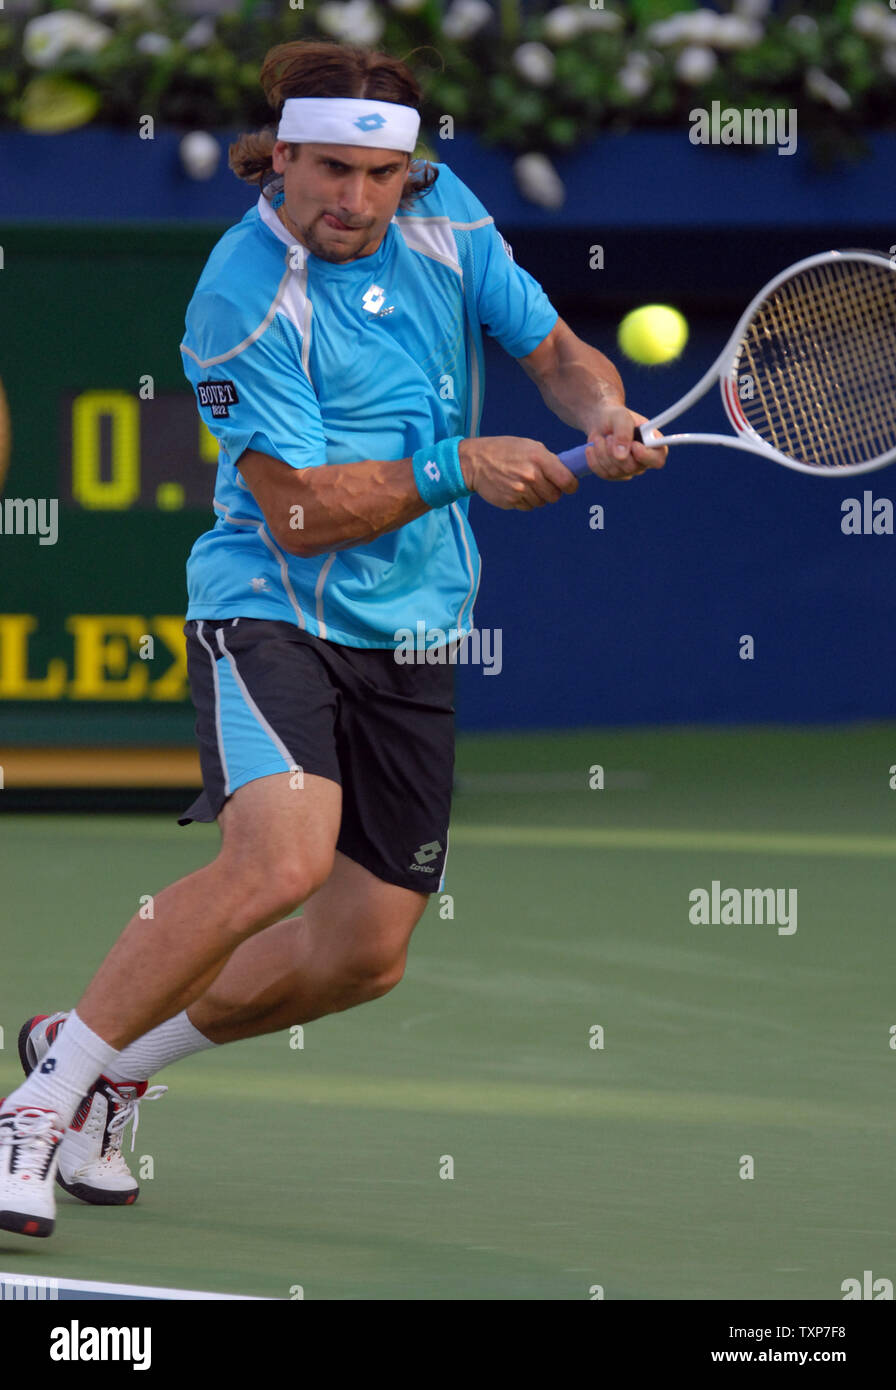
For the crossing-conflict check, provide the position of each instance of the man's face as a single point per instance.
(339, 199)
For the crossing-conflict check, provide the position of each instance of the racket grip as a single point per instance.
(576, 461)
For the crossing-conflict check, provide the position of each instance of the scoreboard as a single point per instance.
(120, 451)
(106, 439)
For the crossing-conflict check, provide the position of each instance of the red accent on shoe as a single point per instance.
(80, 1116)
(138, 1086)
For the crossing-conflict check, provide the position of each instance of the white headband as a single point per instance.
(383, 125)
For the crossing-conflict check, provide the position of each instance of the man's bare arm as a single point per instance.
(574, 379)
(311, 511)
(583, 389)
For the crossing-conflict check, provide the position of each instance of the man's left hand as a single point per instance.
(613, 453)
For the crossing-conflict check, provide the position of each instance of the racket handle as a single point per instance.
(577, 463)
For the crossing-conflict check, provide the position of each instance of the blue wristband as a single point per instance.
(438, 474)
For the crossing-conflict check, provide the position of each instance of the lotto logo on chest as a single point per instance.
(373, 301)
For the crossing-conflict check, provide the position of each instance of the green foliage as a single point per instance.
(649, 11)
(475, 79)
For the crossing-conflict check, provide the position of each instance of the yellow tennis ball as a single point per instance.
(654, 333)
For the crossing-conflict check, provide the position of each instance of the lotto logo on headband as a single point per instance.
(387, 125)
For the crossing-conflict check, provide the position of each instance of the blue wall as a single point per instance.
(640, 622)
(651, 179)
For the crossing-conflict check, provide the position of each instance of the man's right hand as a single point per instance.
(514, 473)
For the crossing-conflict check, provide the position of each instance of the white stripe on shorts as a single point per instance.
(255, 711)
(218, 729)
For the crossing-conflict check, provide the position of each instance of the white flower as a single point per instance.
(706, 28)
(802, 24)
(733, 32)
(695, 65)
(568, 21)
(666, 31)
(634, 81)
(563, 24)
(634, 77)
(702, 26)
(200, 34)
(465, 18)
(48, 36)
(697, 26)
(824, 88)
(114, 7)
(888, 58)
(153, 44)
(200, 154)
(872, 20)
(407, 6)
(357, 21)
(538, 180)
(535, 62)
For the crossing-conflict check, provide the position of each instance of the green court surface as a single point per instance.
(573, 1166)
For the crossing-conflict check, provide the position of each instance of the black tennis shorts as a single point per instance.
(271, 698)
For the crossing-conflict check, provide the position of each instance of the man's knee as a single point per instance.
(374, 972)
(278, 847)
(262, 893)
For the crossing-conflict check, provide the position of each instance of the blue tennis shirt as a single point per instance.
(318, 364)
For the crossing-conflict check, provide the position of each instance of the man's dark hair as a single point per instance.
(314, 68)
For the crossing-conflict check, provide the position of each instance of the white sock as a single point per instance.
(159, 1048)
(74, 1062)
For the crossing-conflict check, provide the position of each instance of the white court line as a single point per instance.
(549, 837)
(39, 1281)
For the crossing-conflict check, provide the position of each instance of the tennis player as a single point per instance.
(334, 342)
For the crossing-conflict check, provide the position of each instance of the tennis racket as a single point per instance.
(808, 377)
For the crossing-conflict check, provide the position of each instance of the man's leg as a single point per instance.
(277, 850)
(349, 946)
(278, 844)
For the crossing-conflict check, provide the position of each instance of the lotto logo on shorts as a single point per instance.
(217, 396)
(424, 855)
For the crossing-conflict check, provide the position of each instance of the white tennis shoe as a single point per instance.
(30, 1145)
(91, 1164)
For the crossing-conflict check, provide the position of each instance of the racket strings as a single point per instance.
(830, 366)
(821, 355)
(829, 371)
